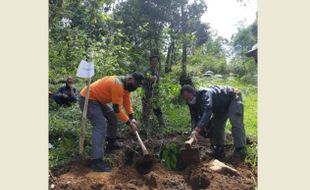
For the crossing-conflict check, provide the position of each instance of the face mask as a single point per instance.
(130, 87)
(193, 101)
(68, 84)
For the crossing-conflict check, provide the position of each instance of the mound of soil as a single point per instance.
(79, 176)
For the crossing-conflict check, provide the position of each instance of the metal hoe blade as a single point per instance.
(190, 156)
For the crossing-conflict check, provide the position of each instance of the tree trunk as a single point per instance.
(184, 43)
(173, 56)
(184, 58)
(156, 52)
(168, 60)
(184, 78)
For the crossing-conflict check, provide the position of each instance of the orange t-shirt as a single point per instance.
(111, 89)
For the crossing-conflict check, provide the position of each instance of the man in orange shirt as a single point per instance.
(115, 90)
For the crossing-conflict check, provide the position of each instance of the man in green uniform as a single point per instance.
(150, 99)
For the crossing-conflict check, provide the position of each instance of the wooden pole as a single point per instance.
(84, 117)
(82, 132)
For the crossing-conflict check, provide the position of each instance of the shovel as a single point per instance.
(188, 154)
(145, 164)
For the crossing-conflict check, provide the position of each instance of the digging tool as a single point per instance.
(190, 155)
(145, 164)
(145, 151)
(188, 143)
(196, 138)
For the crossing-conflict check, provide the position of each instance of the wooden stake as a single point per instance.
(82, 132)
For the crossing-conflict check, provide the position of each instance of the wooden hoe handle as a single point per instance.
(145, 151)
(188, 144)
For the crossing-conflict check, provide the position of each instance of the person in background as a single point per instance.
(151, 92)
(66, 95)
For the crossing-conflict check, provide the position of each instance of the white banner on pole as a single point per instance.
(86, 70)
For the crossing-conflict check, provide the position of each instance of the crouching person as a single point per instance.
(66, 95)
(222, 103)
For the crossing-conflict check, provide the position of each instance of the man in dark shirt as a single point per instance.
(221, 103)
(66, 95)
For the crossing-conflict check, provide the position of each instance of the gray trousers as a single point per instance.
(235, 115)
(96, 113)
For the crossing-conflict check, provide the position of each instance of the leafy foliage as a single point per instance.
(170, 155)
(244, 39)
(64, 126)
(242, 42)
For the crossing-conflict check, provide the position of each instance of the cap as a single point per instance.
(139, 78)
(70, 78)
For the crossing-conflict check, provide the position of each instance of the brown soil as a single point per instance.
(78, 176)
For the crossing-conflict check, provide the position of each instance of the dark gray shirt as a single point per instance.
(215, 99)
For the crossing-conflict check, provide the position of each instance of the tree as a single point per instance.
(244, 39)
(210, 56)
(190, 18)
(77, 26)
(242, 42)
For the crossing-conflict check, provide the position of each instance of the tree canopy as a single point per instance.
(124, 33)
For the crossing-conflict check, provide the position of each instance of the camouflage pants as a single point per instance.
(150, 102)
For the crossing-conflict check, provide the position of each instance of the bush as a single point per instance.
(64, 134)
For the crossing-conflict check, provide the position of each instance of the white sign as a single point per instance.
(85, 70)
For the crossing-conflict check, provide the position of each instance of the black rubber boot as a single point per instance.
(114, 144)
(99, 166)
(219, 152)
(240, 154)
